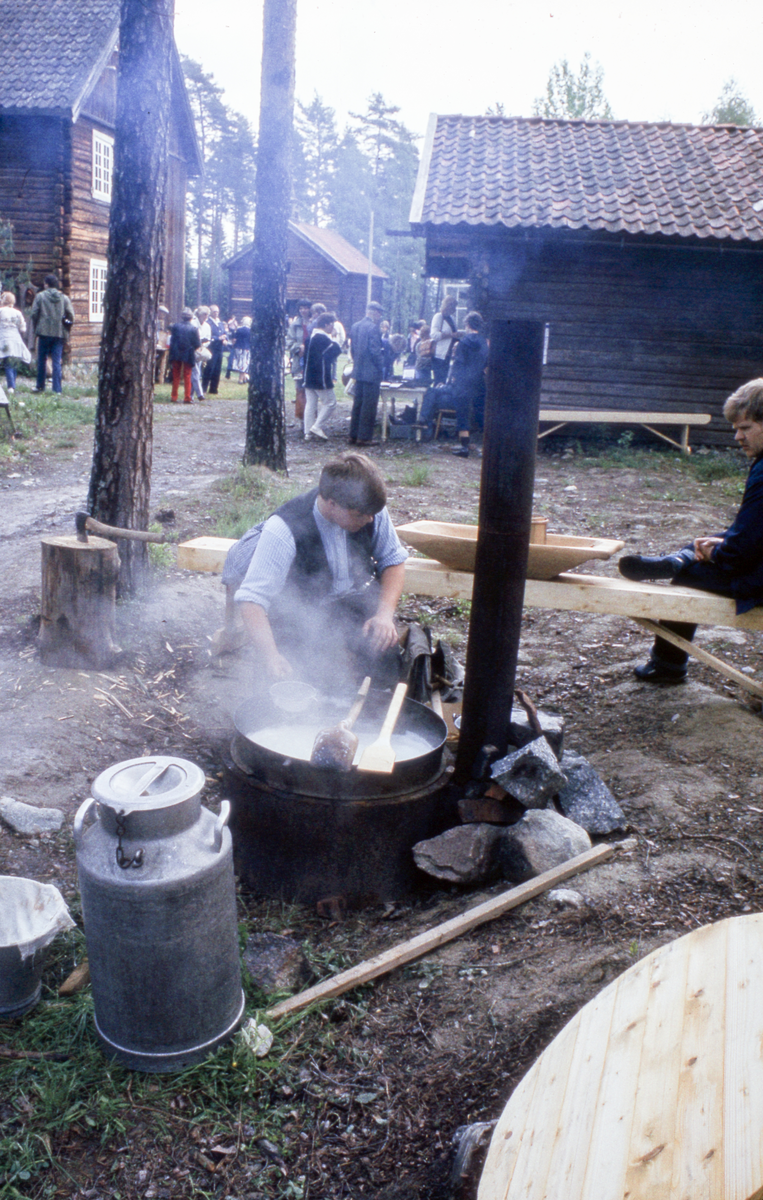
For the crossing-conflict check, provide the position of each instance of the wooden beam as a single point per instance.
(431, 939)
(623, 416)
(710, 660)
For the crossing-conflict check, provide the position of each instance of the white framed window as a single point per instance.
(103, 165)
(98, 268)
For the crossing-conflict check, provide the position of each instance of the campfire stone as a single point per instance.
(552, 727)
(276, 963)
(586, 799)
(28, 818)
(465, 854)
(541, 840)
(531, 775)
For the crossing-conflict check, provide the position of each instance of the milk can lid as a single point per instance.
(143, 784)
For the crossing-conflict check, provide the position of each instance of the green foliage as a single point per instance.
(221, 201)
(731, 108)
(315, 161)
(418, 476)
(575, 96)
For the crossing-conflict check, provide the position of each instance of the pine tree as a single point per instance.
(120, 481)
(318, 147)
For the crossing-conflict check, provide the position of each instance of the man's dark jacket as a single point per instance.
(184, 342)
(367, 351)
(737, 565)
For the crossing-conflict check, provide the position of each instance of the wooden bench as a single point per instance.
(5, 404)
(644, 603)
(612, 416)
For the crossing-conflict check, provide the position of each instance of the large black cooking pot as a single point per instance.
(297, 775)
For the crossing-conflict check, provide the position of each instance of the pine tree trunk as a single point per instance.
(120, 482)
(266, 420)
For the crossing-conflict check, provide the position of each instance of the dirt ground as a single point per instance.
(383, 1078)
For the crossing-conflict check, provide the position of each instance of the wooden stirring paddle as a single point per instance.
(380, 756)
(336, 747)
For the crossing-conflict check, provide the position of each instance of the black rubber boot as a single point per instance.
(655, 670)
(639, 567)
(463, 449)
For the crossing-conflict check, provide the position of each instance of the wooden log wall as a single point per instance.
(32, 193)
(666, 326)
(87, 238)
(311, 277)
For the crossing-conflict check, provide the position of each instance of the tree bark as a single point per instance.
(120, 482)
(77, 622)
(266, 419)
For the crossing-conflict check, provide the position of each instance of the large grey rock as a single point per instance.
(276, 963)
(28, 818)
(531, 775)
(541, 840)
(465, 854)
(586, 799)
(552, 727)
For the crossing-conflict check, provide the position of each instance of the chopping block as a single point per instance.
(78, 610)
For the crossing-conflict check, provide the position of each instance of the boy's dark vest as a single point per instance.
(310, 575)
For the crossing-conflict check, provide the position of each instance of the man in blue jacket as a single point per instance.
(729, 563)
(368, 372)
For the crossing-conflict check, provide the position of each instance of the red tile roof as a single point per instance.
(618, 176)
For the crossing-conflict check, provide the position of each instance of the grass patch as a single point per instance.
(418, 476)
(86, 1098)
(250, 496)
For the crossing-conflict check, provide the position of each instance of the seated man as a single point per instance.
(465, 389)
(730, 563)
(317, 584)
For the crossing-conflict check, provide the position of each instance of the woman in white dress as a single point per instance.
(12, 344)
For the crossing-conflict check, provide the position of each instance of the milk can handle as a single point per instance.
(220, 824)
(79, 821)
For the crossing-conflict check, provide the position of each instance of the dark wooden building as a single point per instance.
(57, 152)
(640, 245)
(322, 265)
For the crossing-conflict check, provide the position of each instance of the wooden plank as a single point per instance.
(743, 1057)
(431, 939)
(562, 1167)
(594, 594)
(616, 416)
(204, 554)
(609, 1132)
(699, 1143)
(652, 1140)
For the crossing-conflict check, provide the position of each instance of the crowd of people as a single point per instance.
(449, 363)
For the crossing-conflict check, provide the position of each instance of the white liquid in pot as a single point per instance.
(296, 741)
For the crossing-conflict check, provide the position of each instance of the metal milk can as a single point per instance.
(159, 906)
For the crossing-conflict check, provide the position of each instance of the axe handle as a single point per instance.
(109, 531)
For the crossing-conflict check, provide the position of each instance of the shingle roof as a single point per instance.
(618, 176)
(54, 52)
(339, 252)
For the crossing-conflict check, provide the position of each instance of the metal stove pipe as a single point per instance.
(515, 369)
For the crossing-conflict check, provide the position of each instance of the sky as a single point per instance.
(663, 60)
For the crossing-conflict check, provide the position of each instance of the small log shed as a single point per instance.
(640, 245)
(57, 153)
(322, 265)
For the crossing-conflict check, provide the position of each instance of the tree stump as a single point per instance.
(79, 582)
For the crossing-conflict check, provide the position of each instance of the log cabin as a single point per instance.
(639, 245)
(322, 265)
(57, 153)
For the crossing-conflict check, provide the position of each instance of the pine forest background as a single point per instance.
(339, 177)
